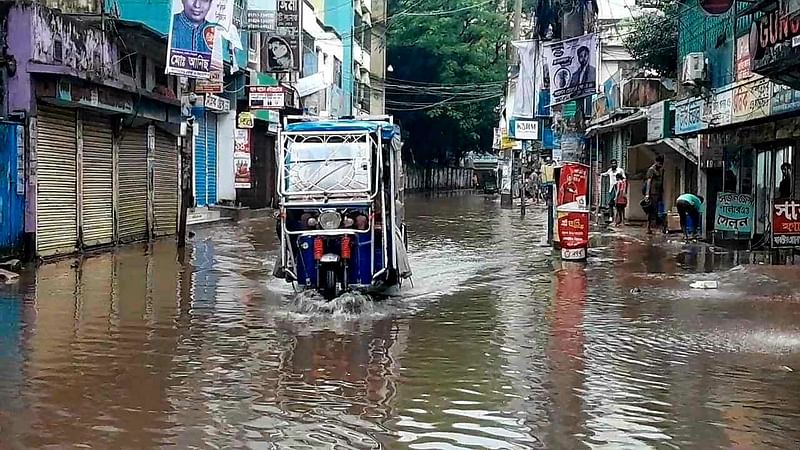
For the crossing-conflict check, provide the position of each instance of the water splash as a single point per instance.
(311, 302)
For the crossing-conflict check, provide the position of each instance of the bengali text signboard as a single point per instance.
(734, 213)
(786, 223)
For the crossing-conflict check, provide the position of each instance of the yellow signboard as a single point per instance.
(245, 120)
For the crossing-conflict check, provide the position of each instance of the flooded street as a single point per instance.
(496, 345)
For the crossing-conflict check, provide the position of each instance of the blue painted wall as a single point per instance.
(714, 35)
(339, 14)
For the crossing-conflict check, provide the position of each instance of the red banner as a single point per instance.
(573, 229)
(573, 187)
(786, 223)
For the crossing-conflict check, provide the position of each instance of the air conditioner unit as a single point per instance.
(694, 69)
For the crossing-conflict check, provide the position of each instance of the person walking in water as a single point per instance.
(689, 206)
(620, 199)
(653, 193)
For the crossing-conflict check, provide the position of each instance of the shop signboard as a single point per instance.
(719, 109)
(261, 15)
(751, 99)
(734, 213)
(784, 99)
(526, 129)
(689, 116)
(658, 121)
(241, 159)
(217, 104)
(212, 85)
(786, 223)
(266, 97)
(246, 120)
(743, 57)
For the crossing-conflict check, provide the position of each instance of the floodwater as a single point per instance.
(496, 345)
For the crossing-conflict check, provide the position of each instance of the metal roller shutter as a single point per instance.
(132, 195)
(57, 181)
(98, 181)
(165, 184)
(205, 174)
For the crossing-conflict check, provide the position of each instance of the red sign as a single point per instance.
(786, 223)
(573, 187)
(716, 7)
(573, 229)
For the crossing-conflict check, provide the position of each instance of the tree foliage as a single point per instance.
(449, 69)
(652, 38)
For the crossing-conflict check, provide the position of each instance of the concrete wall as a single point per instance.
(418, 179)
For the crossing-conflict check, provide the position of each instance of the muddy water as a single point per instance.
(497, 345)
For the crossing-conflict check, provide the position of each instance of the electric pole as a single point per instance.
(507, 198)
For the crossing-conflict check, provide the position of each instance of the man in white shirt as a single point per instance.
(611, 173)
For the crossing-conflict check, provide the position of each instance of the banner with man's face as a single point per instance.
(195, 26)
(282, 49)
(572, 65)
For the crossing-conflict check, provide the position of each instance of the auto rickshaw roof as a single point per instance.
(386, 129)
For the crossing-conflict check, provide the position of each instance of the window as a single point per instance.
(309, 55)
(143, 74)
(358, 29)
(127, 65)
(161, 77)
(337, 72)
(367, 45)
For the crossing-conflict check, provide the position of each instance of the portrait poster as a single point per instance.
(195, 26)
(241, 159)
(282, 49)
(572, 65)
(573, 187)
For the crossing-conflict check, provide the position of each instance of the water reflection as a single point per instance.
(497, 345)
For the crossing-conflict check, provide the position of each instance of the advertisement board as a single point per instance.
(283, 47)
(786, 223)
(751, 99)
(573, 233)
(241, 159)
(734, 213)
(689, 116)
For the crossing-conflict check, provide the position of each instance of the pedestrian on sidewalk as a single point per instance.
(689, 206)
(653, 202)
(620, 198)
(613, 171)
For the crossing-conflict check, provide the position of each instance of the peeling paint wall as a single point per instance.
(63, 41)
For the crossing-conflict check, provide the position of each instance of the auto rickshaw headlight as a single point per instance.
(312, 222)
(348, 222)
(330, 220)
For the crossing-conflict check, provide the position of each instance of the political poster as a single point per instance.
(282, 48)
(572, 65)
(786, 223)
(573, 187)
(735, 213)
(573, 233)
(195, 29)
(241, 159)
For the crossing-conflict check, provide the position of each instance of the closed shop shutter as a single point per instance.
(57, 194)
(165, 184)
(98, 181)
(206, 161)
(132, 195)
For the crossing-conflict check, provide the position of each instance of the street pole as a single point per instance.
(507, 199)
(187, 182)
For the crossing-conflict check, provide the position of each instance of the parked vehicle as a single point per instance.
(340, 184)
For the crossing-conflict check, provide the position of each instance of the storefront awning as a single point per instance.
(604, 128)
(676, 145)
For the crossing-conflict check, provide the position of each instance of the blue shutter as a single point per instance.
(11, 196)
(211, 159)
(200, 161)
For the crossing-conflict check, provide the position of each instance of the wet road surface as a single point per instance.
(497, 345)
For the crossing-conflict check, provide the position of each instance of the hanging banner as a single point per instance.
(525, 95)
(241, 159)
(194, 26)
(573, 187)
(572, 68)
(786, 223)
(734, 213)
(283, 47)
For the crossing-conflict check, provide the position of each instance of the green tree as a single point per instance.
(450, 67)
(652, 38)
